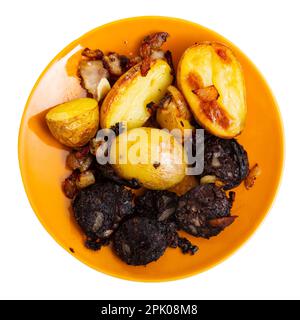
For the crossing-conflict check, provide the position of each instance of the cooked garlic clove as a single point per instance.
(102, 88)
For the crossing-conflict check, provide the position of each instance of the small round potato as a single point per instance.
(75, 122)
(152, 156)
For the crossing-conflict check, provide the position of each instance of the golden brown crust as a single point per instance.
(112, 95)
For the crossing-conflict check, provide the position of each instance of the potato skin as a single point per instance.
(127, 100)
(74, 123)
(211, 79)
(165, 169)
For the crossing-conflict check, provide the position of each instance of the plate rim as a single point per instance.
(258, 222)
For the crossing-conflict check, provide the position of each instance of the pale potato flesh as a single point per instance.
(127, 101)
(211, 79)
(152, 156)
(74, 123)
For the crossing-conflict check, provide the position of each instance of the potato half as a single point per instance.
(211, 79)
(127, 100)
(74, 123)
(152, 156)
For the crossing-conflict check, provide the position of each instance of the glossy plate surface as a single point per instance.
(42, 159)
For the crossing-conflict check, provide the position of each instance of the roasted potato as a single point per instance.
(152, 156)
(211, 79)
(173, 112)
(185, 185)
(74, 123)
(127, 100)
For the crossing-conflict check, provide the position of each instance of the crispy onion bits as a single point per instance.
(254, 172)
(204, 211)
(92, 54)
(69, 186)
(116, 64)
(152, 42)
(98, 71)
(79, 159)
(91, 71)
(225, 162)
(150, 49)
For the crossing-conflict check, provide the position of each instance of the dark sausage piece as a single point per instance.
(204, 211)
(98, 209)
(140, 240)
(225, 159)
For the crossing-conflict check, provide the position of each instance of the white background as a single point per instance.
(32, 265)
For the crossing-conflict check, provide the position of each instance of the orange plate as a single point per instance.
(42, 159)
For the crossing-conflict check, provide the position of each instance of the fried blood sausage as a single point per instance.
(160, 205)
(99, 208)
(204, 211)
(140, 240)
(225, 159)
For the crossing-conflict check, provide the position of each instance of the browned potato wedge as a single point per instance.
(127, 100)
(152, 156)
(211, 79)
(74, 123)
(173, 112)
